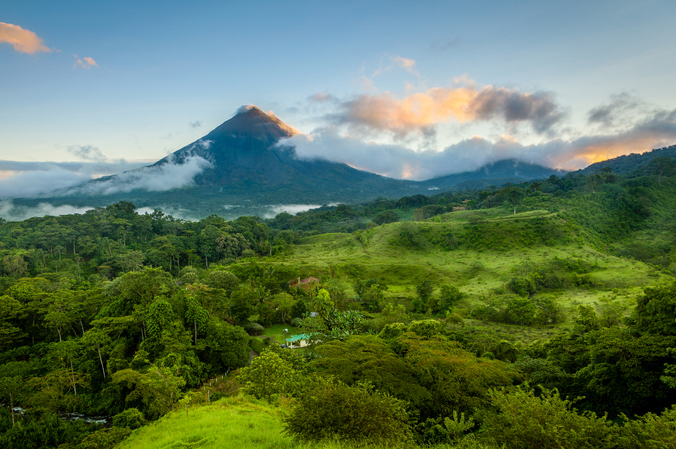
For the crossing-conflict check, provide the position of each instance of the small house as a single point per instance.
(297, 341)
(304, 283)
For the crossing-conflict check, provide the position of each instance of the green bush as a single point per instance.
(105, 438)
(522, 286)
(331, 410)
(523, 420)
(131, 418)
(254, 328)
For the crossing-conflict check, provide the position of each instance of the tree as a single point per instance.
(513, 195)
(14, 265)
(656, 311)
(425, 301)
(386, 217)
(664, 165)
(370, 292)
(10, 308)
(159, 388)
(225, 346)
(11, 390)
(56, 390)
(196, 314)
(322, 303)
(268, 376)
(223, 280)
(449, 295)
(130, 260)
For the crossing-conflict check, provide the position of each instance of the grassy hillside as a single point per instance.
(234, 423)
(479, 252)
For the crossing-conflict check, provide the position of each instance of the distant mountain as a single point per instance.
(632, 162)
(496, 173)
(243, 162)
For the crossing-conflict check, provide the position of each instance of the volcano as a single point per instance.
(245, 151)
(245, 163)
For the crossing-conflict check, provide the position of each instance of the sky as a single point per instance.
(405, 89)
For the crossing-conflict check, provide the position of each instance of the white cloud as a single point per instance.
(12, 212)
(160, 177)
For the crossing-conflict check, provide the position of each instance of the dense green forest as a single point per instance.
(541, 314)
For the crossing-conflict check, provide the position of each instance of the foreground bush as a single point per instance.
(523, 420)
(331, 410)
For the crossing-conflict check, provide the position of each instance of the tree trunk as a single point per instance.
(11, 405)
(72, 374)
(98, 348)
(660, 179)
(515, 209)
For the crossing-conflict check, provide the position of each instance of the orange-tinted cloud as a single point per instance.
(85, 62)
(404, 63)
(22, 40)
(421, 111)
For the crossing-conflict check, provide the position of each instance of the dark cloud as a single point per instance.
(611, 114)
(196, 124)
(539, 108)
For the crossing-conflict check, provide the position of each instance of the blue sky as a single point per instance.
(383, 85)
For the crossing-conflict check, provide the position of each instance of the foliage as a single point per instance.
(359, 414)
(656, 311)
(268, 376)
(521, 419)
(131, 418)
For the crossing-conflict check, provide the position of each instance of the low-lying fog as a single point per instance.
(15, 212)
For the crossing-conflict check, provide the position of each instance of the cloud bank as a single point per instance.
(160, 177)
(655, 130)
(13, 212)
(91, 177)
(23, 41)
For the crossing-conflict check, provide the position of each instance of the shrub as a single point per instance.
(104, 438)
(523, 420)
(522, 286)
(254, 328)
(332, 410)
(131, 418)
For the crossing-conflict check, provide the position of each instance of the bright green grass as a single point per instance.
(233, 423)
(276, 332)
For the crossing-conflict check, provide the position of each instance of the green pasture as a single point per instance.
(512, 245)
